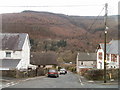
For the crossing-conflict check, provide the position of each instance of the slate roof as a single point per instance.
(9, 63)
(113, 47)
(107, 46)
(87, 56)
(47, 58)
(12, 41)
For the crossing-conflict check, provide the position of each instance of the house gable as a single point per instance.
(15, 47)
(112, 56)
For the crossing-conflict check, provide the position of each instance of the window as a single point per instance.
(8, 54)
(114, 58)
(108, 57)
(100, 55)
(82, 63)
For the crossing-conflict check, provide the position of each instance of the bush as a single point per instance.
(83, 71)
(8, 73)
(98, 74)
(59, 68)
(114, 73)
(72, 69)
(23, 74)
(94, 74)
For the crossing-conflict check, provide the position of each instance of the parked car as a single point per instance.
(53, 73)
(63, 71)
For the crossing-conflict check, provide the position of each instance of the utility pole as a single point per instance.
(106, 5)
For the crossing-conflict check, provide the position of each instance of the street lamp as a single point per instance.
(106, 5)
(105, 55)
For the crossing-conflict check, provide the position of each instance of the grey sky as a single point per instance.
(68, 7)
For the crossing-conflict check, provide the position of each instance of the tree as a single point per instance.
(62, 43)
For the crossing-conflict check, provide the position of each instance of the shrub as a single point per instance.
(83, 71)
(98, 74)
(94, 74)
(23, 74)
(72, 69)
(8, 73)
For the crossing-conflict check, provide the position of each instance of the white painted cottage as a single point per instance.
(112, 57)
(14, 51)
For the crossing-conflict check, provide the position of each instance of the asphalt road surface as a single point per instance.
(69, 80)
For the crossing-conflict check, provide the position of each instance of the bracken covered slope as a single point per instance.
(76, 30)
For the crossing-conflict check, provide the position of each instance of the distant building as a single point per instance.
(112, 57)
(85, 60)
(44, 59)
(14, 51)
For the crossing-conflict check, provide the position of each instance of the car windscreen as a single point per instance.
(52, 70)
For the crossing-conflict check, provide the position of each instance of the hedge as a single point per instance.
(98, 74)
(23, 74)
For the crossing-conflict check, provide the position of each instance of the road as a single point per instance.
(69, 80)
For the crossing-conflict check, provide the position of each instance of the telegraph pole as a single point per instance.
(106, 5)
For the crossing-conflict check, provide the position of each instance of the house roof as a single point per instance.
(12, 41)
(47, 58)
(9, 63)
(112, 47)
(107, 46)
(87, 56)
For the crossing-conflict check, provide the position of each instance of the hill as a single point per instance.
(48, 30)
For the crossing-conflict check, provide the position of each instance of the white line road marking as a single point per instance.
(9, 84)
(13, 83)
(91, 81)
(33, 78)
(80, 81)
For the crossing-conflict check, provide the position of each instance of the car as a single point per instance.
(53, 73)
(63, 71)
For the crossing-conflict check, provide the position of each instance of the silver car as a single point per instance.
(63, 71)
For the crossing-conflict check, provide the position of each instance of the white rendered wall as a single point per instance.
(25, 61)
(14, 54)
(98, 60)
(77, 64)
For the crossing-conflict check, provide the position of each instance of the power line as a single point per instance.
(57, 5)
(96, 19)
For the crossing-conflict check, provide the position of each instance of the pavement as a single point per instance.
(8, 81)
(108, 82)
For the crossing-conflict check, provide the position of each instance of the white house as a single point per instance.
(112, 57)
(14, 51)
(85, 60)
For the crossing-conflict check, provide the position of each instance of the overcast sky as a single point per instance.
(68, 7)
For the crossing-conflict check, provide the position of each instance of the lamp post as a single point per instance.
(105, 57)
(106, 5)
